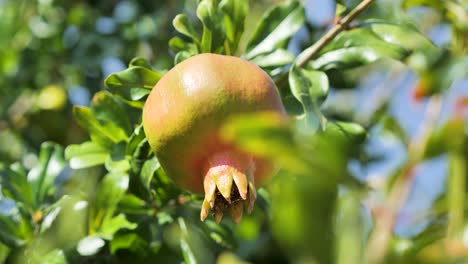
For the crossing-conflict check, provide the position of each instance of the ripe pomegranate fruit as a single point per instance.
(182, 118)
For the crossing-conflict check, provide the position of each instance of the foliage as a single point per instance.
(107, 199)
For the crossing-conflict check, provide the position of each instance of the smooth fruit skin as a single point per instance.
(185, 110)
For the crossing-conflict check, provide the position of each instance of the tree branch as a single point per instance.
(313, 50)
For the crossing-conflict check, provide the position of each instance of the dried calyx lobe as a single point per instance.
(228, 186)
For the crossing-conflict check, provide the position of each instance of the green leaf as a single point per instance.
(206, 12)
(86, 155)
(42, 176)
(182, 55)
(13, 230)
(355, 48)
(350, 228)
(148, 170)
(266, 135)
(140, 61)
(118, 160)
(137, 77)
(135, 139)
(105, 133)
(111, 226)
(277, 58)
(182, 24)
(131, 204)
(234, 13)
(111, 189)
(177, 44)
(450, 137)
(277, 26)
(356, 56)
(404, 36)
(193, 248)
(56, 256)
(108, 109)
(311, 89)
(90, 245)
(14, 185)
(131, 242)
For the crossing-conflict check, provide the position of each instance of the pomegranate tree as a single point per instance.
(182, 118)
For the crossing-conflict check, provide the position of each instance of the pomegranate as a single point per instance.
(182, 118)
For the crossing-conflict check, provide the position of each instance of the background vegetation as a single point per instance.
(374, 160)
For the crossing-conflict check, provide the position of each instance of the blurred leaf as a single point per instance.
(105, 134)
(349, 229)
(229, 258)
(118, 161)
(13, 229)
(131, 204)
(234, 13)
(42, 176)
(110, 227)
(193, 249)
(86, 155)
(90, 245)
(432, 3)
(136, 77)
(277, 26)
(183, 55)
(311, 89)
(108, 109)
(131, 242)
(56, 256)
(14, 185)
(450, 137)
(140, 61)
(266, 135)
(277, 58)
(110, 190)
(182, 24)
(220, 234)
(177, 44)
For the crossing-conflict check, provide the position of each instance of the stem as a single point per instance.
(456, 194)
(387, 213)
(313, 50)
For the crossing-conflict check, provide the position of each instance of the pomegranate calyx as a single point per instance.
(228, 186)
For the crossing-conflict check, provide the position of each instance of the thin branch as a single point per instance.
(386, 215)
(313, 50)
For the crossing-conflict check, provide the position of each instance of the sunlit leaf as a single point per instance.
(110, 190)
(311, 89)
(140, 61)
(86, 155)
(182, 24)
(122, 83)
(105, 133)
(277, 58)
(111, 226)
(108, 109)
(277, 26)
(90, 245)
(234, 13)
